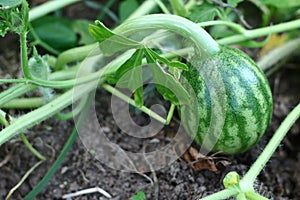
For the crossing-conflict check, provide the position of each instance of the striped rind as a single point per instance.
(247, 102)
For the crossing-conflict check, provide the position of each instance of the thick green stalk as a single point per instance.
(251, 34)
(179, 25)
(24, 103)
(264, 157)
(34, 117)
(14, 92)
(224, 194)
(75, 54)
(48, 7)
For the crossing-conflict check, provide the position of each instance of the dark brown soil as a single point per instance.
(280, 179)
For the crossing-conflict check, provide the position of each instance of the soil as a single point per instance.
(280, 179)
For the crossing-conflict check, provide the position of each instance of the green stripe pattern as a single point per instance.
(234, 112)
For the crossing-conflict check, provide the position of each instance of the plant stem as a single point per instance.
(75, 54)
(48, 7)
(182, 26)
(24, 103)
(12, 80)
(250, 34)
(6, 123)
(170, 114)
(179, 7)
(238, 28)
(14, 92)
(259, 164)
(162, 6)
(125, 98)
(224, 194)
(75, 111)
(34, 117)
(38, 41)
(143, 9)
(24, 54)
(30, 147)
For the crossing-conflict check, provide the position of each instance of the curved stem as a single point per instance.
(182, 26)
(31, 148)
(250, 34)
(259, 164)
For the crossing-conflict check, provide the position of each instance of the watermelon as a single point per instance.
(234, 102)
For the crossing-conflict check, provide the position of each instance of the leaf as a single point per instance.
(175, 64)
(281, 3)
(110, 42)
(81, 27)
(40, 69)
(13, 18)
(56, 32)
(134, 61)
(126, 8)
(166, 84)
(202, 13)
(9, 4)
(234, 3)
(38, 66)
(139, 196)
(130, 76)
(138, 97)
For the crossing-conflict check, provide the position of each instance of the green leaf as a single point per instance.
(40, 69)
(56, 31)
(166, 84)
(13, 18)
(110, 42)
(134, 61)
(139, 196)
(130, 76)
(81, 27)
(138, 97)
(202, 13)
(38, 65)
(10, 3)
(234, 3)
(175, 64)
(126, 8)
(281, 3)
